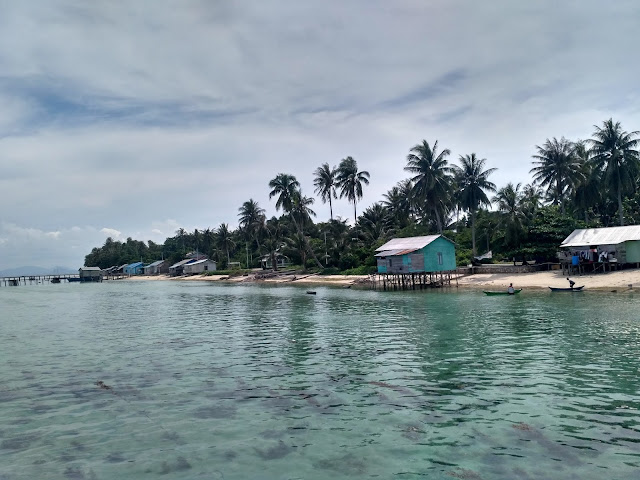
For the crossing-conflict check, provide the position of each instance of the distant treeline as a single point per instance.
(575, 184)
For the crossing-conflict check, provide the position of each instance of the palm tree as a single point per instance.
(397, 201)
(251, 219)
(301, 208)
(374, 222)
(350, 181)
(587, 193)
(284, 186)
(615, 154)
(325, 183)
(472, 181)
(224, 240)
(287, 188)
(273, 240)
(509, 200)
(558, 168)
(431, 179)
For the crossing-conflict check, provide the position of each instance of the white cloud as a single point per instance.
(108, 119)
(111, 232)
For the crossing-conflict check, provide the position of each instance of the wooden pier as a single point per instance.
(52, 278)
(413, 281)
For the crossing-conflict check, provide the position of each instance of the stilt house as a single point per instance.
(428, 254)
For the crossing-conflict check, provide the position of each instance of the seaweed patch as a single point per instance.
(464, 474)
(180, 464)
(277, 451)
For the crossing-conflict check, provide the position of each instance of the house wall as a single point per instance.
(432, 259)
(200, 267)
(424, 260)
(632, 248)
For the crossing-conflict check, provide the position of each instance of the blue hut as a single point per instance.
(134, 268)
(428, 254)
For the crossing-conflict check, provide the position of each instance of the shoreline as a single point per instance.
(617, 281)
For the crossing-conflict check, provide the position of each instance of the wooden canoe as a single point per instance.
(502, 293)
(574, 289)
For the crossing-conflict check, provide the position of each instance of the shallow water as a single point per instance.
(243, 382)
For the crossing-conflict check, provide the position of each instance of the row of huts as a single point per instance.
(192, 265)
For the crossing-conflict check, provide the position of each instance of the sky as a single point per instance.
(133, 119)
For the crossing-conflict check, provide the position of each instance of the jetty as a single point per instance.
(15, 281)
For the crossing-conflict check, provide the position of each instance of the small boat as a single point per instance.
(73, 279)
(311, 292)
(574, 289)
(55, 280)
(502, 293)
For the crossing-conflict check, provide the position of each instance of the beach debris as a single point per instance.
(103, 385)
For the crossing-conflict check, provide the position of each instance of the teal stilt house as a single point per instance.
(428, 254)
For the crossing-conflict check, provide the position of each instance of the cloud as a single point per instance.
(111, 232)
(118, 114)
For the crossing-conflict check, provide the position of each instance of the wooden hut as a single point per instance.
(199, 266)
(593, 249)
(90, 274)
(416, 261)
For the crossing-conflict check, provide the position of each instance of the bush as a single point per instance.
(362, 270)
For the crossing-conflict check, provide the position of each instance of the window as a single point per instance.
(439, 258)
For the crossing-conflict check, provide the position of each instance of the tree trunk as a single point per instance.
(438, 221)
(620, 209)
(473, 233)
(299, 229)
(330, 206)
(355, 216)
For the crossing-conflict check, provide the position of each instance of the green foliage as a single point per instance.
(549, 228)
(361, 270)
(463, 256)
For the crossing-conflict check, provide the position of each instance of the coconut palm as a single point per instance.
(374, 222)
(431, 180)
(558, 168)
(397, 201)
(350, 181)
(273, 239)
(301, 208)
(325, 183)
(509, 201)
(615, 154)
(287, 188)
(472, 182)
(251, 220)
(225, 241)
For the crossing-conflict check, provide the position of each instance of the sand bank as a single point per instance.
(619, 280)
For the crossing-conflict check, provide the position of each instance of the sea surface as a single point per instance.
(216, 381)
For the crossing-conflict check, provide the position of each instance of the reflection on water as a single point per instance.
(237, 382)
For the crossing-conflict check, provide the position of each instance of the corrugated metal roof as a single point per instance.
(201, 261)
(413, 243)
(155, 264)
(90, 269)
(602, 236)
(181, 262)
(398, 251)
(136, 264)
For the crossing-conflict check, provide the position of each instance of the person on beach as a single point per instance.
(511, 290)
(571, 283)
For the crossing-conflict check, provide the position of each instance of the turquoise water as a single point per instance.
(253, 382)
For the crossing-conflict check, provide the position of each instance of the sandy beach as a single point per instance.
(620, 280)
